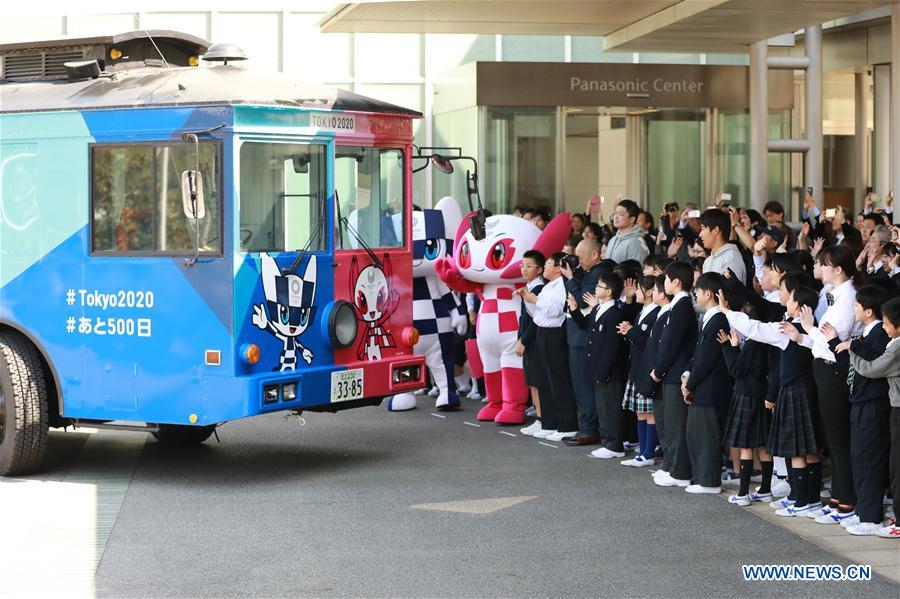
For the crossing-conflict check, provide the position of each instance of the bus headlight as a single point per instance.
(289, 391)
(342, 324)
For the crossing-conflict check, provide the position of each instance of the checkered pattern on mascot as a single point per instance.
(491, 268)
(437, 311)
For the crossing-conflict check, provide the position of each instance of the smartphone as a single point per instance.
(809, 191)
(830, 212)
(869, 189)
(726, 197)
(693, 214)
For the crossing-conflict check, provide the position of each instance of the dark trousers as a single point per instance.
(895, 458)
(582, 383)
(834, 412)
(676, 421)
(704, 445)
(610, 417)
(558, 409)
(659, 417)
(870, 446)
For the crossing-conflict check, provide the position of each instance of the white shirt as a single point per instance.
(758, 263)
(773, 296)
(646, 310)
(823, 302)
(840, 315)
(764, 332)
(549, 310)
(530, 285)
(869, 327)
(709, 314)
(604, 306)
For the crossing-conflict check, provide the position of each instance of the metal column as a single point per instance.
(895, 101)
(813, 160)
(860, 129)
(759, 123)
(881, 121)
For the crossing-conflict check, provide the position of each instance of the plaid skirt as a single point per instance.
(792, 433)
(632, 402)
(533, 367)
(747, 425)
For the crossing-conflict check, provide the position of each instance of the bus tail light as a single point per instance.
(249, 353)
(410, 336)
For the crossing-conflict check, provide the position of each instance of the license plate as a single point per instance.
(346, 385)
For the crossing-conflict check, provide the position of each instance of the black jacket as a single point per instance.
(643, 383)
(868, 347)
(577, 285)
(709, 376)
(637, 338)
(676, 344)
(748, 366)
(606, 352)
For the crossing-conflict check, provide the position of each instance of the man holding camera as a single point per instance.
(581, 277)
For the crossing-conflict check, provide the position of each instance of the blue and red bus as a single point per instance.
(182, 244)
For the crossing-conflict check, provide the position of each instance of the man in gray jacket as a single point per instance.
(887, 366)
(628, 242)
(715, 230)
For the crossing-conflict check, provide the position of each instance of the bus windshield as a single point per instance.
(283, 197)
(369, 184)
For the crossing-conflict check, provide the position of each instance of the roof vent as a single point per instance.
(82, 69)
(224, 52)
(24, 66)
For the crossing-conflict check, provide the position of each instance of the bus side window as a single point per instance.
(122, 199)
(369, 183)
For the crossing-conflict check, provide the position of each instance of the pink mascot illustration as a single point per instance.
(487, 261)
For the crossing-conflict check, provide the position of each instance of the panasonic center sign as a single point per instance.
(624, 84)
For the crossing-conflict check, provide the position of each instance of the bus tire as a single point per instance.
(23, 406)
(179, 434)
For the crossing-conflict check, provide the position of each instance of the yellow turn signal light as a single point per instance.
(194, 61)
(250, 353)
(115, 54)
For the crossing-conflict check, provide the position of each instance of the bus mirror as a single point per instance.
(192, 194)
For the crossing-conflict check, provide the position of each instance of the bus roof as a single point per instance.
(185, 86)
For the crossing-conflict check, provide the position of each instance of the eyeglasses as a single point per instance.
(529, 265)
(603, 287)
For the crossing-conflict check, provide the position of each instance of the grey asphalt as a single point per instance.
(323, 510)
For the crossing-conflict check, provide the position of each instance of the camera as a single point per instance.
(571, 261)
(672, 207)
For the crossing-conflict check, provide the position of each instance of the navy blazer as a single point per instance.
(709, 376)
(527, 328)
(868, 347)
(676, 344)
(644, 384)
(637, 337)
(749, 367)
(606, 352)
(577, 286)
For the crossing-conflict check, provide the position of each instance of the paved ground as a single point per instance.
(326, 509)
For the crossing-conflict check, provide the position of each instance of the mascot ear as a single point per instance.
(449, 208)
(354, 273)
(461, 229)
(554, 235)
(388, 269)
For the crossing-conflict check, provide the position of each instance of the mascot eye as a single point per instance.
(465, 259)
(304, 316)
(500, 254)
(431, 249)
(361, 301)
(284, 314)
(379, 303)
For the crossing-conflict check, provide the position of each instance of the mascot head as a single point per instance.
(432, 230)
(496, 258)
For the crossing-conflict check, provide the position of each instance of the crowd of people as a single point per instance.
(725, 347)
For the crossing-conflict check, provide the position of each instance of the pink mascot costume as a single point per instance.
(491, 268)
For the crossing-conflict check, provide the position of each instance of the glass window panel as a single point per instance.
(448, 51)
(668, 58)
(369, 183)
(401, 63)
(534, 48)
(176, 232)
(122, 199)
(282, 197)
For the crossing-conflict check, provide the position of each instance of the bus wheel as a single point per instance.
(177, 434)
(23, 406)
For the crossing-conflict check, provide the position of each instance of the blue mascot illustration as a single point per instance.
(288, 310)
(437, 311)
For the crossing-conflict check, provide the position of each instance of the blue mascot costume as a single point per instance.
(437, 312)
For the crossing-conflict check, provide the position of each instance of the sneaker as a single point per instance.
(668, 481)
(531, 428)
(822, 511)
(605, 454)
(739, 499)
(850, 521)
(781, 504)
(834, 517)
(792, 512)
(639, 462)
(889, 532)
(700, 489)
(730, 478)
(780, 488)
(434, 392)
(629, 446)
(658, 473)
(473, 393)
(463, 385)
(762, 497)
(889, 521)
(559, 436)
(542, 434)
(864, 529)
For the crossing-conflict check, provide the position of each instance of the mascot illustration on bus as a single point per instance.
(489, 265)
(289, 309)
(375, 301)
(438, 314)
